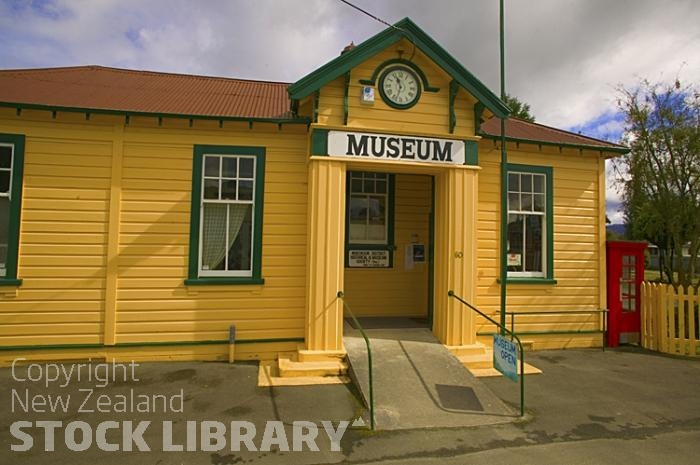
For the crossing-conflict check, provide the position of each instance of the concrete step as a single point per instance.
(290, 366)
(477, 361)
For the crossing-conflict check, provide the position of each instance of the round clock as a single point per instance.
(399, 87)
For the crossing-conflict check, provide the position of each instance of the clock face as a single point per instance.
(399, 87)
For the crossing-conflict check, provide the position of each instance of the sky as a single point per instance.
(566, 58)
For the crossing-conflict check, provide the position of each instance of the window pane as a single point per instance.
(4, 232)
(245, 190)
(368, 186)
(228, 190)
(381, 186)
(246, 168)
(539, 203)
(211, 189)
(538, 180)
(526, 202)
(358, 218)
(515, 242)
(240, 251)
(356, 185)
(229, 168)
(211, 166)
(526, 182)
(376, 229)
(514, 202)
(628, 305)
(5, 156)
(533, 242)
(513, 182)
(213, 236)
(4, 182)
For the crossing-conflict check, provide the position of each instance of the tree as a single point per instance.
(520, 109)
(659, 177)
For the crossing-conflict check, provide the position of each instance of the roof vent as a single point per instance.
(348, 48)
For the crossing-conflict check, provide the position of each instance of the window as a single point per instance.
(370, 213)
(529, 245)
(11, 165)
(226, 222)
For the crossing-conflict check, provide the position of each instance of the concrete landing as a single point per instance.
(418, 383)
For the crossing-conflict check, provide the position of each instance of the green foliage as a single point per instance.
(661, 194)
(520, 109)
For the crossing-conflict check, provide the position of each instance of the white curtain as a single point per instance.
(214, 246)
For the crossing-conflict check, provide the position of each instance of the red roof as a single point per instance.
(520, 130)
(123, 90)
(101, 88)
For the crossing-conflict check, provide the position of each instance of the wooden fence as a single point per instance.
(670, 320)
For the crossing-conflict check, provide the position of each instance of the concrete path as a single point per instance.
(418, 383)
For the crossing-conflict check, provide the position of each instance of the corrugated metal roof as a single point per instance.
(102, 88)
(517, 129)
(123, 90)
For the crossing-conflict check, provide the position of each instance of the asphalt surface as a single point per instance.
(588, 407)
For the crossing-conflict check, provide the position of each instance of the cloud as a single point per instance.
(608, 125)
(565, 58)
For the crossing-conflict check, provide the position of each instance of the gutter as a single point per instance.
(127, 114)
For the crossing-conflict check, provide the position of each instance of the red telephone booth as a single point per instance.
(625, 266)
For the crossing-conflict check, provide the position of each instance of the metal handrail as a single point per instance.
(513, 336)
(341, 295)
(604, 311)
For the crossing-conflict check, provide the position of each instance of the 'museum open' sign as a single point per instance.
(395, 148)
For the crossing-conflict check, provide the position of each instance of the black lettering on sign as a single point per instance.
(442, 153)
(408, 146)
(357, 148)
(392, 144)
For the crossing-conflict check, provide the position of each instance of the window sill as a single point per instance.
(222, 281)
(529, 281)
(10, 282)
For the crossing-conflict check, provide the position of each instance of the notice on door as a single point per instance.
(368, 259)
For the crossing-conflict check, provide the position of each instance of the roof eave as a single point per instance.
(56, 108)
(616, 151)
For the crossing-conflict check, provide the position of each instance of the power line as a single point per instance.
(370, 15)
(376, 18)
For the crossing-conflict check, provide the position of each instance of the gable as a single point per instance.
(441, 107)
(404, 30)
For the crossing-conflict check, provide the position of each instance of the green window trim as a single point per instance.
(193, 277)
(15, 208)
(548, 172)
(390, 245)
(515, 280)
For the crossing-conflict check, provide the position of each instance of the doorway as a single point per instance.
(388, 250)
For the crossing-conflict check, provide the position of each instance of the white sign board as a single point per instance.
(395, 148)
(515, 259)
(368, 259)
(505, 356)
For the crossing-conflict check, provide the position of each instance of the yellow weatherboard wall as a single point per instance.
(579, 234)
(74, 171)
